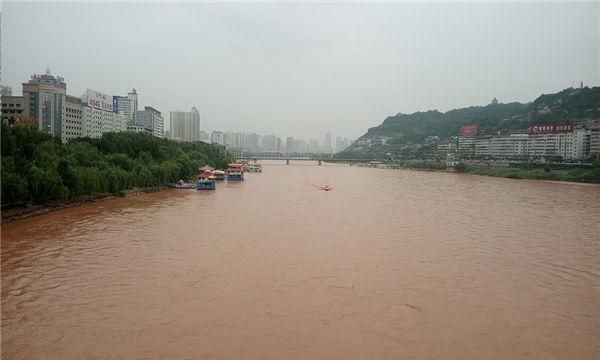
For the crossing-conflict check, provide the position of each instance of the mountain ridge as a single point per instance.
(569, 105)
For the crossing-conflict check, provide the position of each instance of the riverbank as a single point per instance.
(547, 172)
(18, 213)
(591, 175)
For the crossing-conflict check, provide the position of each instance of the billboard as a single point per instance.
(99, 100)
(468, 130)
(552, 128)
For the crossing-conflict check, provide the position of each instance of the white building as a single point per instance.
(593, 141)
(98, 115)
(72, 118)
(217, 137)
(561, 140)
(185, 125)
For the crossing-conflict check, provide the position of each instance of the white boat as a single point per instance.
(255, 168)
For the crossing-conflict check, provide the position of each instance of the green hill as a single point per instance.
(569, 105)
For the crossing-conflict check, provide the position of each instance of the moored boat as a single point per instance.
(255, 168)
(235, 172)
(181, 185)
(219, 174)
(206, 180)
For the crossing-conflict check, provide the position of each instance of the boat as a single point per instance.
(255, 168)
(181, 185)
(206, 180)
(235, 172)
(219, 174)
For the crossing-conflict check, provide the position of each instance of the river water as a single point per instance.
(391, 264)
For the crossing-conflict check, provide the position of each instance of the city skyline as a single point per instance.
(247, 76)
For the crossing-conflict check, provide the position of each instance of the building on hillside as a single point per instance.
(593, 141)
(128, 106)
(12, 109)
(99, 116)
(44, 96)
(564, 141)
(185, 125)
(151, 119)
(72, 118)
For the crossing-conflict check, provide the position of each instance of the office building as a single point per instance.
(44, 96)
(12, 109)
(128, 105)
(72, 118)
(151, 119)
(99, 116)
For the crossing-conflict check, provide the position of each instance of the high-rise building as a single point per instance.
(270, 143)
(151, 119)
(341, 143)
(233, 140)
(217, 137)
(314, 146)
(99, 116)
(327, 145)
(128, 105)
(44, 98)
(185, 125)
(289, 144)
(72, 118)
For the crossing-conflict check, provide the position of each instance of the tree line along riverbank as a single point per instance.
(534, 171)
(38, 169)
(541, 172)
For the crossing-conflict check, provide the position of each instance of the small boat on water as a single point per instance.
(206, 180)
(235, 172)
(219, 174)
(181, 185)
(255, 168)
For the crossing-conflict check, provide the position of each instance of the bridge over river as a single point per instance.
(319, 161)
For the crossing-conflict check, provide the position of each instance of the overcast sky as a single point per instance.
(305, 69)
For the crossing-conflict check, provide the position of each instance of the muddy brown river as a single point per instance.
(391, 264)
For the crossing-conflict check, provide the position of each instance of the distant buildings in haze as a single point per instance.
(44, 103)
(185, 125)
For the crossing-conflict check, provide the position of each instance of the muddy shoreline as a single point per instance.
(19, 213)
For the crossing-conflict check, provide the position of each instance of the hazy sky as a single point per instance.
(304, 69)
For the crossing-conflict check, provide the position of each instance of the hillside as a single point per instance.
(569, 105)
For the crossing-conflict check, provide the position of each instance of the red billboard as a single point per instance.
(552, 128)
(468, 130)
